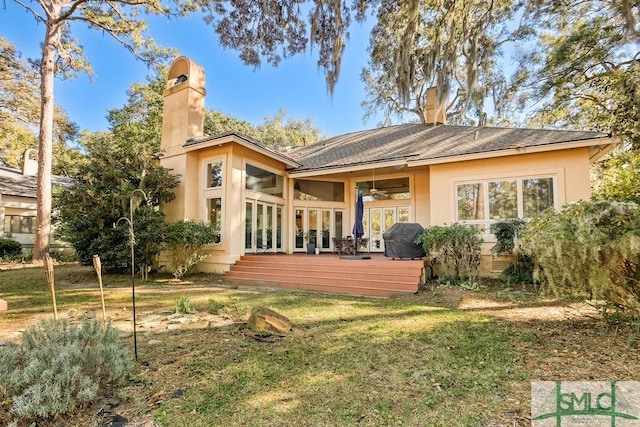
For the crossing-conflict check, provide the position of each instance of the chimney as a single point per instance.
(183, 112)
(436, 111)
(30, 162)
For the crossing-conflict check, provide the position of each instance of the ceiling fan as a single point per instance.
(373, 190)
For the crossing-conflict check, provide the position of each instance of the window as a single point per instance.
(385, 189)
(264, 181)
(326, 191)
(17, 224)
(537, 195)
(214, 174)
(214, 215)
(481, 204)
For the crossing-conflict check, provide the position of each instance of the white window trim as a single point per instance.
(257, 195)
(485, 188)
(205, 215)
(207, 161)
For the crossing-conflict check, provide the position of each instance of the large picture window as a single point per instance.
(264, 181)
(326, 191)
(486, 202)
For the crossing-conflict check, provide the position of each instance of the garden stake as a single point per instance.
(48, 268)
(98, 267)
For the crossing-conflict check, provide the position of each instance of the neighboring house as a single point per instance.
(18, 202)
(433, 174)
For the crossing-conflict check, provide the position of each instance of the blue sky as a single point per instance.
(297, 85)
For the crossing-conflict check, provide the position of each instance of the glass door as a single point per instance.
(263, 227)
(377, 221)
(318, 226)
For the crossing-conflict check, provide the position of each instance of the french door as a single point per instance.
(263, 226)
(377, 220)
(318, 226)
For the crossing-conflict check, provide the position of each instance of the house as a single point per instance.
(18, 202)
(263, 199)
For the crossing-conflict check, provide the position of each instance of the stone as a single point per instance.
(154, 342)
(90, 315)
(263, 319)
(173, 327)
(72, 313)
(3, 305)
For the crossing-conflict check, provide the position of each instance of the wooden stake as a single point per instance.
(48, 268)
(98, 267)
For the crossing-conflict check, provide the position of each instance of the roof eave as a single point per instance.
(600, 147)
(345, 169)
(213, 141)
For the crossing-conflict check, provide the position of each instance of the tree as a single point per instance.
(19, 114)
(454, 46)
(280, 131)
(585, 70)
(620, 180)
(276, 131)
(119, 162)
(124, 20)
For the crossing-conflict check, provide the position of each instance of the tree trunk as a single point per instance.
(45, 141)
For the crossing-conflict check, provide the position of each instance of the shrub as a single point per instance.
(10, 249)
(184, 240)
(457, 249)
(60, 366)
(507, 235)
(589, 248)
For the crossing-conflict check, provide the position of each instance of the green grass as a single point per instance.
(349, 361)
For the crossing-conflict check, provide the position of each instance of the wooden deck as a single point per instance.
(378, 276)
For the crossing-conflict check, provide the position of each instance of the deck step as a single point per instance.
(377, 276)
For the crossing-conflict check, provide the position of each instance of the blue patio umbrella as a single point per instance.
(358, 228)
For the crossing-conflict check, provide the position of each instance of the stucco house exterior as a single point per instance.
(18, 202)
(432, 174)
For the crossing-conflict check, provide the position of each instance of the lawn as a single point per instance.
(445, 357)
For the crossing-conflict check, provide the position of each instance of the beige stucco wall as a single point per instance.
(569, 167)
(190, 203)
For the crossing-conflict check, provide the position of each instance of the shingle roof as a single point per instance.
(270, 151)
(13, 183)
(419, 142)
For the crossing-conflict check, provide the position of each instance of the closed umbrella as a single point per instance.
(358, 228)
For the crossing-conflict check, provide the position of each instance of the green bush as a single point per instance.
(456, 248)
(184, 240)
(10, 249)
(589, 248)
(60, 366)
(507, 235)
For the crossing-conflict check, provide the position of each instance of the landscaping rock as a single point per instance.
(154, 342)
(89, 315)
(73, 313)
(173, 327)
(263, 319)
